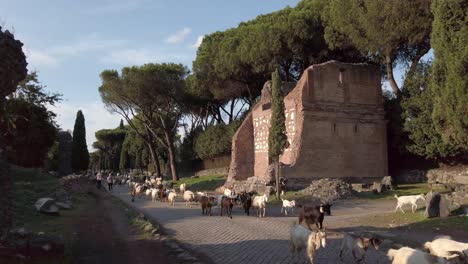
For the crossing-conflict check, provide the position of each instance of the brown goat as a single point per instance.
(227, 204)
(206, 204)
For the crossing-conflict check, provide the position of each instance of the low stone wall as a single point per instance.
(440, 175)
(216, 171)
(252, 184)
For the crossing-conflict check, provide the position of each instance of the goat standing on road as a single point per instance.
(314, 214)
(259, 202)
(287, 205)
(301, 238)
(226, 204)
(358, 246)
(408, 199)
(206, 204)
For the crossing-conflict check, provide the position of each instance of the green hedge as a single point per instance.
(216, 140)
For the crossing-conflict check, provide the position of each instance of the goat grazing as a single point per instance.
(189, 196)
(182, 187)
(287, 205)
(226, 205)
(314, 214)
(171, 198)
(301, 238)
(259, 202)
(206, 204)
(408, 199)
(358, 246)
(406, 255)
(444, 246)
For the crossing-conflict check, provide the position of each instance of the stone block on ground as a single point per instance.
(387, 181)
(328, 189)
(432, 205)
(378, 188)
(46, 205)
(444, 205)
(358, 187)
(64, 205)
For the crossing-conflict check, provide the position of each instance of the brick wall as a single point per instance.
(335, 125)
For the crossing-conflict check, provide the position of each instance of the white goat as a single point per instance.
(154, 194)
(406, 255)
(188, 198)
(171, 198)
(202, 194)
(408, 199)
(259, 202)
(182, 187)
(301, 238)
(228, 193)
(444, 246)
(287, 205)
(148, 193)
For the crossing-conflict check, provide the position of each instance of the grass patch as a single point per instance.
(203, 183)
(32, 184)
(403, 189)
(416, 221)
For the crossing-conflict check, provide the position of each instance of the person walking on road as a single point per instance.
(98, 180)
(110, 181)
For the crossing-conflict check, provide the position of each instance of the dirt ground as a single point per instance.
(104, 235)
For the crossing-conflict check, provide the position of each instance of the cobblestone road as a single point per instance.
(248, 239)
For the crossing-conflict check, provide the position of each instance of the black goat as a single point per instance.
(314, 214)
(246, 200)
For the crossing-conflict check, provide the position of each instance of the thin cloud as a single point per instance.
(96, 118)
(40, 59)
(179, 36)
(87, 44)
(127, 57)
(198, 42)
(115, 7)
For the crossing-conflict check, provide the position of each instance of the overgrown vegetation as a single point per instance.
(32, 184)
(216, 140)
(203, 183)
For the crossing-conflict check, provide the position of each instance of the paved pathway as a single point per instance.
(248, 239)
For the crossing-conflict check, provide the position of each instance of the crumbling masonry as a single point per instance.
(335, 126)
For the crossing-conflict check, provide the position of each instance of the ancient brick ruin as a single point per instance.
(335, 126)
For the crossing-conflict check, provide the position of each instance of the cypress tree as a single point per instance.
(277, 139)
(449, 82)
(121, 126)
(80, 154)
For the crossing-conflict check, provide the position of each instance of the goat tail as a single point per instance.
(396, 196)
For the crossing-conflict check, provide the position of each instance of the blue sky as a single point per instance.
(70, 42)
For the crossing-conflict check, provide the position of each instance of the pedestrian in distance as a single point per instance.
(98, 180)
(110, 181)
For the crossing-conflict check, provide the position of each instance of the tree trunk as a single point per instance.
(154, 155)
(390, 77)
(6, 219)
(172, 160)
(155, 159)
(277, 177)
(419, 54)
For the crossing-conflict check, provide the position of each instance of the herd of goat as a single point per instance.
(441, 250)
